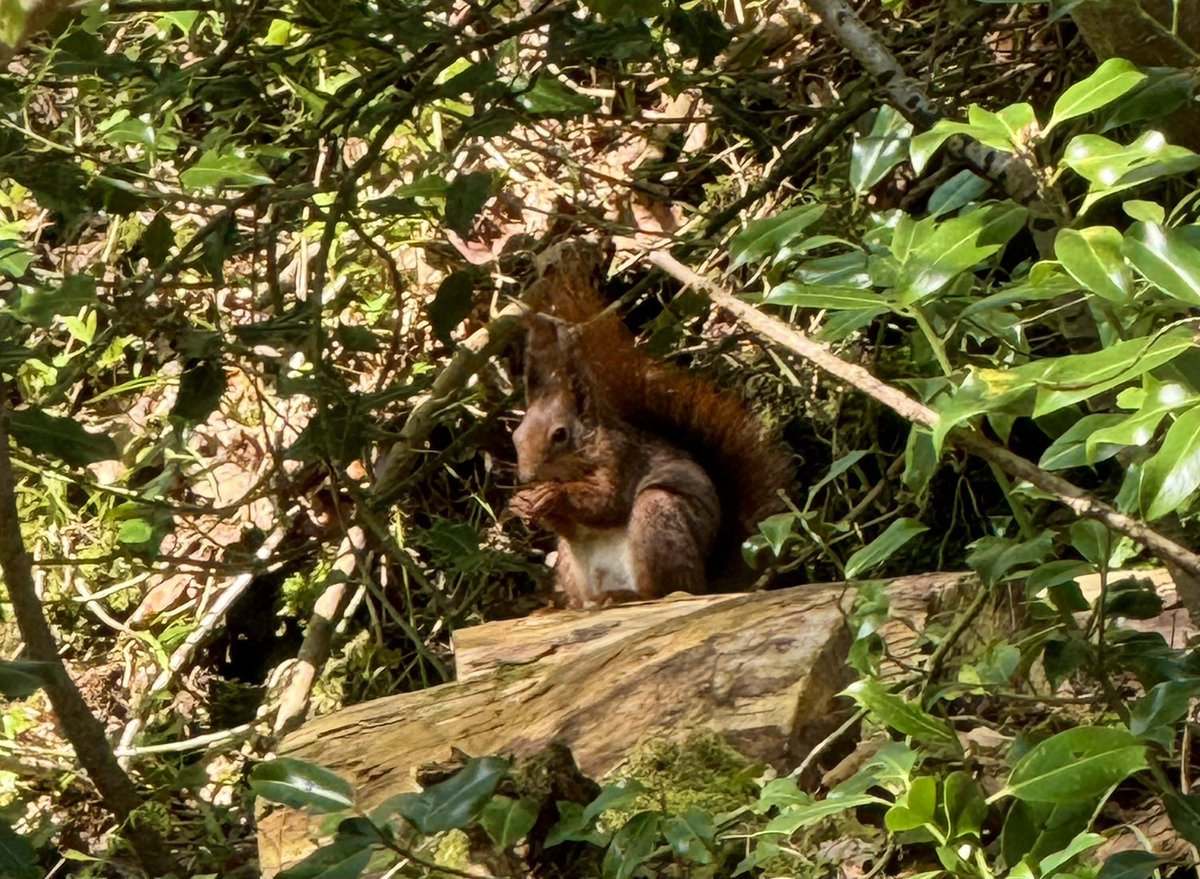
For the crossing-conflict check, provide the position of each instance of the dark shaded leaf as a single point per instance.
(18, 858)
(453, 302)
(200, 390)
(20, 678)
(456, 802)
(62, 438)
(465, 196)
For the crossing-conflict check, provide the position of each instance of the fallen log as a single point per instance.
(761, 669)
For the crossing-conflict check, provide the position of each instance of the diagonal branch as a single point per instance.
(917, 412)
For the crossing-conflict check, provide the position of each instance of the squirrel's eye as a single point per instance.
(559, 436)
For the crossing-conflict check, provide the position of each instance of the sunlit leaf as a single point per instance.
(218, 169)
(1166, 259)
(302, 785)
(456, 802)
(900, 714)
(873, 156)
(1113, 78)
(879, 550)
(1074, 765)
(1093, 257)
(1172, 475)
(762, 238)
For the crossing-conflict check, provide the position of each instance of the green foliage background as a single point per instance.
(248, 253)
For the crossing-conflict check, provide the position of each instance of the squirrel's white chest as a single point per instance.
(603, 561)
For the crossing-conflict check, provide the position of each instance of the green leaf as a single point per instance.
(1050, 864)
(617, 795)
(937, 258)
(900, 714)
(201, 388)
(1093, 258)
(1184, 812)
(14, 259)
(62, 438)
(456, 802)
(1130, 865)
(39, 306)
(1034, 830)
(795, 294)
(964, 805)
(451, 305)
(1172, 475)
(763, 238)
(631, 846)
(879, 550)
(959, 191)
(994, 557)
(1078, 764)
(1055, 573)
(507, 820)
(809, 813)
(571, 827)
(923, 146)
(344, 858)
(302, 785)
(465, 197)
(873, 156)
(135, 531)
(917, 807)
(1064, 381)
(1075, 447)
(1160, 709)
(551, 97)
(229, 168)
(20, 678)
(1166, 259)
(18, 858)
(1131, 430)
(691, 835)
(1113, 78)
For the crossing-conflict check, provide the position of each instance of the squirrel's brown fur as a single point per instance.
(618, 440)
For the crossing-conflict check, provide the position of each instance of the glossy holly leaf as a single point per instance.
(900, 714)
(1129, 430)
(346, 857)
(456, 802)
(1112, 79)
(224, 169)
(465, 197)
(763, 238)
(1077, 764)
(798, 295)
(20, 678)
(1166, 259)
(879, 550)
(873, 156)
(507, 820)
(62, 438)
(1093, 257)
(302, 785)
(938, 257)
(957, 192)
(1172, 475)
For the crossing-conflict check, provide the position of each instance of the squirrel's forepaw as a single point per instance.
(531, 504)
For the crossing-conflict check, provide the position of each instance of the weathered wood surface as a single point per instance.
(762, 669)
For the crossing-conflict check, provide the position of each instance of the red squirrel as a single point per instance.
(650, 477)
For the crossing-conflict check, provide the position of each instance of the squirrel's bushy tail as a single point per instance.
(747, 464)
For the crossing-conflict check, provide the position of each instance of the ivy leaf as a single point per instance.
(1171, 476)
(900, 714)
(457, 801)
(1078, 764)
(302, 785)
(873, 156)
(507, 820)
(1113, 78)
(763, 238)
(879, 550)
(62, 438)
